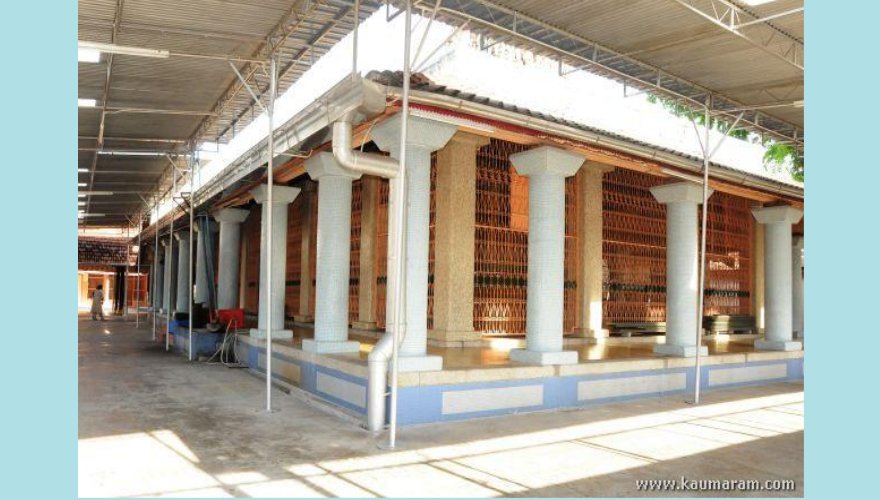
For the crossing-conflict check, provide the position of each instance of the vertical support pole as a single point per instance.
(354, 32)
(171, 252)
(189, 275)
(137, 285)
(156, 268)
(701, 286)
(400, 249)
(270, 207)
(123, 290)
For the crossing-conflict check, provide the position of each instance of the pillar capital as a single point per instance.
(424, 134)
(324, 164)
(679, 192)
(165, 242)
(547, 160)
(280, 194)
(182, 236)
(597, 166)
(468, 139)
(212, 226)
(781, 213)
(233, 215)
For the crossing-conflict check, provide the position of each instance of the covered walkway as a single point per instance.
(157, 425)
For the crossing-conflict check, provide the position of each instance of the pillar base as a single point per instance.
(544, 358)
(680, 351)
(304, 318)
(424, 363)
(778, 345)
(364, 325)
(602, 333)
(330, 347)
(442, 336)
(257, 333)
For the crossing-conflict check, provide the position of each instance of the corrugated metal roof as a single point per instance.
(204, 94)
(665, 47)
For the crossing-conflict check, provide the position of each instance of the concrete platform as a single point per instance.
(152, 424)
(484, 381)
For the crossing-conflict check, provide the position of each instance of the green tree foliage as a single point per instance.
(777, 155)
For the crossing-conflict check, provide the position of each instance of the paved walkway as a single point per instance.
(154, 424)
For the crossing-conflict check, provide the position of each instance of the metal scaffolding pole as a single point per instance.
(398, 307)
(171, 252)
(137, 285)
(270, 112)
(156, 268)
(189, 321)
(701, 289)
(123, 288)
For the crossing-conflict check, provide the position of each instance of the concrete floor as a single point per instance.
(154, 424)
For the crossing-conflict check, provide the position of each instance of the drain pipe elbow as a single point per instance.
(377, 382)
(365, 163)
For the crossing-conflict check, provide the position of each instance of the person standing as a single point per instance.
(98, 303)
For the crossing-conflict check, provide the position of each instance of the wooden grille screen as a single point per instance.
(633, 248)
(729, 256)
(381, 253)
(501, 244)
(355, 263)
(251, 241)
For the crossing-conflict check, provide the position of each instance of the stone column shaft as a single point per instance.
(158, 275)
(333, 257)
(228, 272)
(454, 226)
(183, 270)
(758, 283)
(282, 196)
(589, 243)
(170, 280)
(546, 167)
(797, 276)
(201, 293)
(423, 137)
(682, 200)
(778, 277)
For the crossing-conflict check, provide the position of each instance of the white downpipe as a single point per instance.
(365, 163)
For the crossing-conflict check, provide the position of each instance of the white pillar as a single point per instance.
(546, 167)
(778, 327)
(682, 199)
(333, 257)
(423, 137)
(797, 290)
(183, 290)
(169, 288)
(281, 197)
(158, 275)
(200, 294)
(230, 220)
